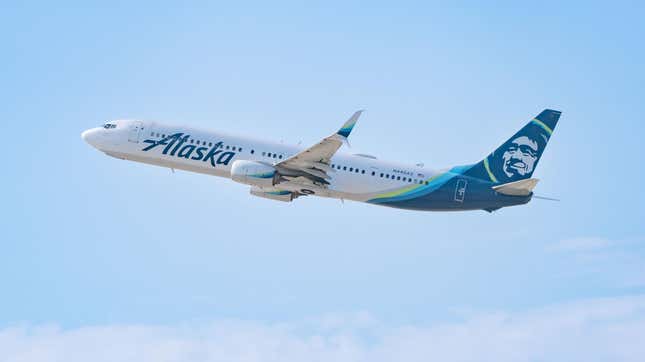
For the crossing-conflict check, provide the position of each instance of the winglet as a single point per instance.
(346, 129)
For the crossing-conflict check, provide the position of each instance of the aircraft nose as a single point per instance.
(90, 136)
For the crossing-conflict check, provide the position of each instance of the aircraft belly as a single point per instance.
(450, 193)
(172, 162)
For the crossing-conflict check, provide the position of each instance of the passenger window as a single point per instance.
(363, 171)
(280, 157)
(252, 151)
(373, 173)
(263, 153)
(191, 140)
(381, 175)
(356, 170)
(240, 149)
(274, 155)
(345, 168)
(398, 177)
(387, 175)
(228, 147)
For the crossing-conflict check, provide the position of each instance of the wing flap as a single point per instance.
(314, 161)
(316, 173)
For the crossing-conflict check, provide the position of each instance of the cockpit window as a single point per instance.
(109, 125)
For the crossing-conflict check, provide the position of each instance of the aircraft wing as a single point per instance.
(313, 163)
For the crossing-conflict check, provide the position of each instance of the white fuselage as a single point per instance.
(354, 177)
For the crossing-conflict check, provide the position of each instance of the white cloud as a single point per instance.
(594, 330)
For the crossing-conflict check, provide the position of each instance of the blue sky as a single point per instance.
(91, 242)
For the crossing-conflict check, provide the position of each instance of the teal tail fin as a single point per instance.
(518, 157)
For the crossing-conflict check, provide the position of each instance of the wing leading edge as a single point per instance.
(313, 163)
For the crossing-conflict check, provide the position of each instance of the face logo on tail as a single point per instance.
(520, 157)
(517, 158)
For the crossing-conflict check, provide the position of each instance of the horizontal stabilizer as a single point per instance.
(517, 188)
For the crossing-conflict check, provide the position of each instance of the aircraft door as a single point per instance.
(134, 131)
(460, 190)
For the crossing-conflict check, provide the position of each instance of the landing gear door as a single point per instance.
(134, 131)
(460, 190)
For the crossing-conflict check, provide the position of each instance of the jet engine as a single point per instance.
(253, 173)
(273, 194)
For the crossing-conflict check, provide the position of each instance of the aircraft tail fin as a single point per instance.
(518, 157)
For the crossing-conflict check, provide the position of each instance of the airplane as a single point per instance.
(283, 172)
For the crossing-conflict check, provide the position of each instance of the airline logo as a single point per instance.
(176, 145)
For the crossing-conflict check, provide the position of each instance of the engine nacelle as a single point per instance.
(279, 195)
(253, 173)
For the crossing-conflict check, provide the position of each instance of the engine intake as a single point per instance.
(253, 173)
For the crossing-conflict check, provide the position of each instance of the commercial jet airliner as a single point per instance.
(285, 172)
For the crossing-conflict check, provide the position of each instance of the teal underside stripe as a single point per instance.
(424, 190)
(421, 191)
(461, 169)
